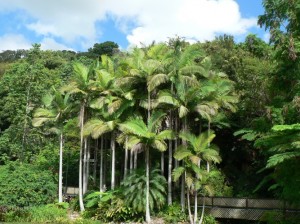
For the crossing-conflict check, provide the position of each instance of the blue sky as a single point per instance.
(77, 25)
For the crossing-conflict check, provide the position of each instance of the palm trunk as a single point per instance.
(84, 177)
(162, 163)
(131, 160)
(182, 194)
(60, 175)
(88, 156)
(126, 158)
(135, 159)
(101, 164)
(113, 159)
(148, 219)
(189, 206)
(202, 213)
(183, 177)
(170, 166)
(80, 159)
(95, 162)
(196, 207)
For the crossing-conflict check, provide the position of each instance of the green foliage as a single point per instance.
(42, 214)
(110, 207)
(135, 190)
(209, 219)
(173, 214)
(23, 185)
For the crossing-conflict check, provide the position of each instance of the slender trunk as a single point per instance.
(135, 159)
(202, 213)
(183, 177)
(126, 158)
(162, 163)
(196, 207)
(170, 173)
(95, 162)
(148, 219)
(189, 206)
(105, 161)
(113, 159)
(170, 158)
(60, 175)
(84, 177)
(101, 164)
(88, 157)
(80, 159)
(182, 194)
(131, 160)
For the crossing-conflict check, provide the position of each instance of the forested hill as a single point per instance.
(221, 114)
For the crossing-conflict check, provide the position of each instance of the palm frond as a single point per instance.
(135, 126)
(182, 153)
(156, 80)
(160, 145)
(183, 111)
(177, 173)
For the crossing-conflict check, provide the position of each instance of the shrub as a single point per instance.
(22, 185)
(41, 214)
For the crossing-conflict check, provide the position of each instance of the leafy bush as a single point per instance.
(23, 185)
(109, 207)
(135, 190)
(41, 214)
(173, 214)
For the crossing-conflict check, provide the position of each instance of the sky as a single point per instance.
(78, 24)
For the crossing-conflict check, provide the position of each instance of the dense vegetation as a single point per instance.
(142, 132)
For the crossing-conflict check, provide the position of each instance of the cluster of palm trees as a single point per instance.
(150, 98)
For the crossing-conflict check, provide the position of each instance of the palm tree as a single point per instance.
(113, 100)
(80, 85)
(56, 108)
(149, 136)
(198, 149)
(135, 189)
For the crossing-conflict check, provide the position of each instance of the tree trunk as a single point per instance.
(162, 163)
(80, 159)
(135, 159)
(196, 207)
(170, 173)
(148, 219)
(131, 160)
(189, 206)
(202, 213)
(60, 175)
(113, 159)
(88, 157)
(95, 162)
(182, 194)
(84, 176)
(101, 165)
(126, 158)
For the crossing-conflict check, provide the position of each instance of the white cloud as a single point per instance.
(157, 20)
(13, 42)
(267, 37)
(193, 19)
(51, 44)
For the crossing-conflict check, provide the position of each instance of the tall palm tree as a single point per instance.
(56, 109)
(112, 101)
(198, 149)
(81, 85)
(149, 136)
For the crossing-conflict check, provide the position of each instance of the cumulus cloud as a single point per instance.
(193, 19)
(51, 44)
(140, 20)
(13, 42)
